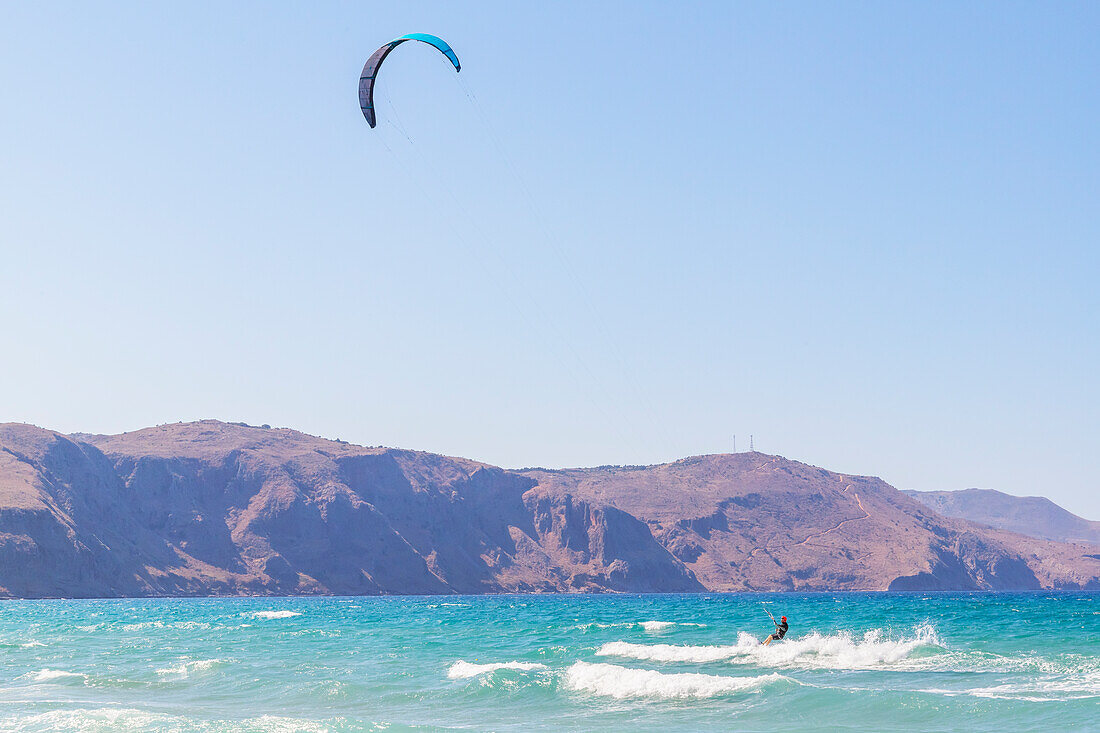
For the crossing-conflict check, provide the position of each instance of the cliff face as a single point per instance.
(210, 508)
(750, 521)
(1035, 516)
(66, 528)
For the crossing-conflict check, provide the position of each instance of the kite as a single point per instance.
(374, 63)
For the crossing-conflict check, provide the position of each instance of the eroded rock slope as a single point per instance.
(210, 508)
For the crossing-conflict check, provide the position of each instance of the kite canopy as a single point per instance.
(370, 70)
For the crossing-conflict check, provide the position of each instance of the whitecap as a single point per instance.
(54, 675)
(132, 719)
(275, 614)
(621, 682)
(655, 626)
(184, 669)
(184, 625)
(834, 651)
(463, 670)
(667, 652)
(1024, 664)
(648, 626)
(277, 724)
(91, 719)
(143, 625)
(598, 625)
(1051, 689)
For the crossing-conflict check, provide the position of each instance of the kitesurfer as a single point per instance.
(780, 631)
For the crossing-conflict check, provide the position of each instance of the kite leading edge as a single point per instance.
(374, 63)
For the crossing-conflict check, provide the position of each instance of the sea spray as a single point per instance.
(651, 627)
(275, 614)
(832, 651)
(56, 675)
(622, 682)
(654, 627)
(463, 670)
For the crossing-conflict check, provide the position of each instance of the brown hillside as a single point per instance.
(211, 508)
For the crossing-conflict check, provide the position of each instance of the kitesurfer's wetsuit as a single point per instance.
(780, 631)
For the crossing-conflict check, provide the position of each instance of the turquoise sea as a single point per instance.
(859, 662)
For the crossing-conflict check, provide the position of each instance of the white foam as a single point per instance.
(834, 651)
(275, 614)
(116, 719)
(186, 625)
(54, 675)
(1054, 689)
(186, 668)
(277, 724)
(648, 626)
(29, 644)
(621, 682)
(463, 670)
(101, 719)
(656, 626)
(667, 652)
(598, 625)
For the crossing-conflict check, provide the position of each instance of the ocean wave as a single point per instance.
(833, 651)
(463, 670)
(184, 625)
(1052, 689)
(55, 675)
(611, 680)
(655, 626)
(94, 719)
(274, 614)
(597, 625)
(1060, 665)
(185, 669)
(648, 626)
(111, 719)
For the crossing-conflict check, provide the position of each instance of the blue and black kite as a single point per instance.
(370, 70)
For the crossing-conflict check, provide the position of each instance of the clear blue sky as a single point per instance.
(867, 233)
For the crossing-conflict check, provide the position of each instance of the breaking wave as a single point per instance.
(833, 651)
(55, 675)
(185, 669)
(184, 625)
(655, 626)
(113, 719)
(648, 626)
(622, 682)
(463, 670)
(1059, 688)
(275, 614)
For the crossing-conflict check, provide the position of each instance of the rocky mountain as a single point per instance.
(1035, 516)
(210, 508)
